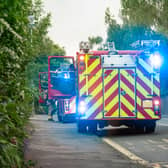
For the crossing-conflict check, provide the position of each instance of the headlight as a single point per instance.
(155, 60)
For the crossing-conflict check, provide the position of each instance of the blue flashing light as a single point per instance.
(82, 107)
(156, 60)
(66, 76)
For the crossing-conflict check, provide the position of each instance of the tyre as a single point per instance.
(150, 127)
(59, 117)
(59, 113)
(81, 126)
(92, 127)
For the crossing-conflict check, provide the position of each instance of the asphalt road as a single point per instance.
(150, 147)
(56, 145)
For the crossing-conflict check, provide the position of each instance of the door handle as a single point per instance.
(123, 92)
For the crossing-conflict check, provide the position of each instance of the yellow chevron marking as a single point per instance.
(157, 77)
(145, 65)
(95, 63)
(123, 113)
(156, 90)
(83, 90)
(99, 116)
(111, 90)
(94, 78)
(127, 104)
(139, 87)
(115, 114)
(109, 77)
(93, 108)
(108, 92)
(151, 113)
(111, 104)
(144, 79)
(140, 116)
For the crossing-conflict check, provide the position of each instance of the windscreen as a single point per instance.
(60, 64)
(62, 74)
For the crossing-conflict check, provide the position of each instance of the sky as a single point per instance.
(74, 21)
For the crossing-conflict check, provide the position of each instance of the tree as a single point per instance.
(142, 19)
(19, 45)
(94, 41)
(150, 13)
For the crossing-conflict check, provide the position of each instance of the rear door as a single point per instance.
(119, 93)
(127, 93)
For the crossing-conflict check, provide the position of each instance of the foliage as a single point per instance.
(151, 13)
(142, 19)
(94, 41)
(20, 44)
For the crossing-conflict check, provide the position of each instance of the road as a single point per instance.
(56, 145)
(152, 148)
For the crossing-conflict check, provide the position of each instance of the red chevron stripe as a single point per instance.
(112, 110)
(95, 84)
(144, 71)
(97, 111)
(156, 83)
(139, 108)
(82, 83)
(95, 98)
(128, 84)
(91, 61)
(126, 110)
(111, 82)
(110, 98)
(95, 70)
(108, 72)
(141, 82)
(130, 99)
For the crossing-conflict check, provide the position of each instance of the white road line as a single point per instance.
(162, 124)
(127, 153)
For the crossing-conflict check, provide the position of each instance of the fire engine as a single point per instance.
(61, 86)
(43, 88)
(118, 87)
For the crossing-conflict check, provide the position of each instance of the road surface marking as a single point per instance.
(152, 141)
(165, 140)
(129, 154)
(162, 124)
(162, 147)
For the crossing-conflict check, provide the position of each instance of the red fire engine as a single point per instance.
(118, 87)
(61, 86)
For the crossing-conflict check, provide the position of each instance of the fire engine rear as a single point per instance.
(119, 87)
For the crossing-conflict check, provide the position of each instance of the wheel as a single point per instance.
(59, 113)
(150, 127)
(92, 127)
(59, 117)
(81, 126)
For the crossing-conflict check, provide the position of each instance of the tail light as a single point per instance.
(156, 106)
(67, 105)
(82, 62)
(82, 58)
